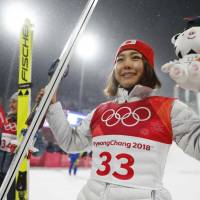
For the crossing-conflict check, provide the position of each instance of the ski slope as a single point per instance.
(182, 179)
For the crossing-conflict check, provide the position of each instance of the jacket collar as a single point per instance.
(137, 93)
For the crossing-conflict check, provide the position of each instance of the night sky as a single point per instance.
(113, 21)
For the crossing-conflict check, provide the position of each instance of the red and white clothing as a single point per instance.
(8, 143)
(8, 136)
(130, 139)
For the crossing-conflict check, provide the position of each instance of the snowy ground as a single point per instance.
(182, 178)
(55, 184)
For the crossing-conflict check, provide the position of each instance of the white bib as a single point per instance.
(129, 161)
(6, 139)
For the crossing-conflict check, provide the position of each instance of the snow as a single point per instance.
(182, 178)
(182, 175)
(55, 183)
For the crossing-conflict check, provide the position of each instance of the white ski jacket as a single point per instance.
(186, 132)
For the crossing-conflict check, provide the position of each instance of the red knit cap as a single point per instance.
(139, 46)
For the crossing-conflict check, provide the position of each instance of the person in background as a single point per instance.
(74, 158)
(9, 142)
(131, 133)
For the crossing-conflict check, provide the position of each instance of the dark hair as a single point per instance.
(148, 79)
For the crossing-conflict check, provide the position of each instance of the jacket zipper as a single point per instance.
(106, 191)
(153, 194)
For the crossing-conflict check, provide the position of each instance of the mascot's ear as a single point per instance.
(174, 38)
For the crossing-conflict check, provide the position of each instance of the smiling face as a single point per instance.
(129, 68)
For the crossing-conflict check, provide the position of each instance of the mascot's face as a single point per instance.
(187, 42)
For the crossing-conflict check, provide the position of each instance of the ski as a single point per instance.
(49, 92)
(50, 73)
(24, 100)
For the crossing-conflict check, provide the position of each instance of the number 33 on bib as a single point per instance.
(128, 161)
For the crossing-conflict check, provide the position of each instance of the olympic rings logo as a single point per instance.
(111, 117)
(10, 127)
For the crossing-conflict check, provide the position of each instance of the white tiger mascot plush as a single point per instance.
(186, 70)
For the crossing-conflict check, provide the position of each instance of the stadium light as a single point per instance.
(14, 16)
(87, 46)
(86, 49)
